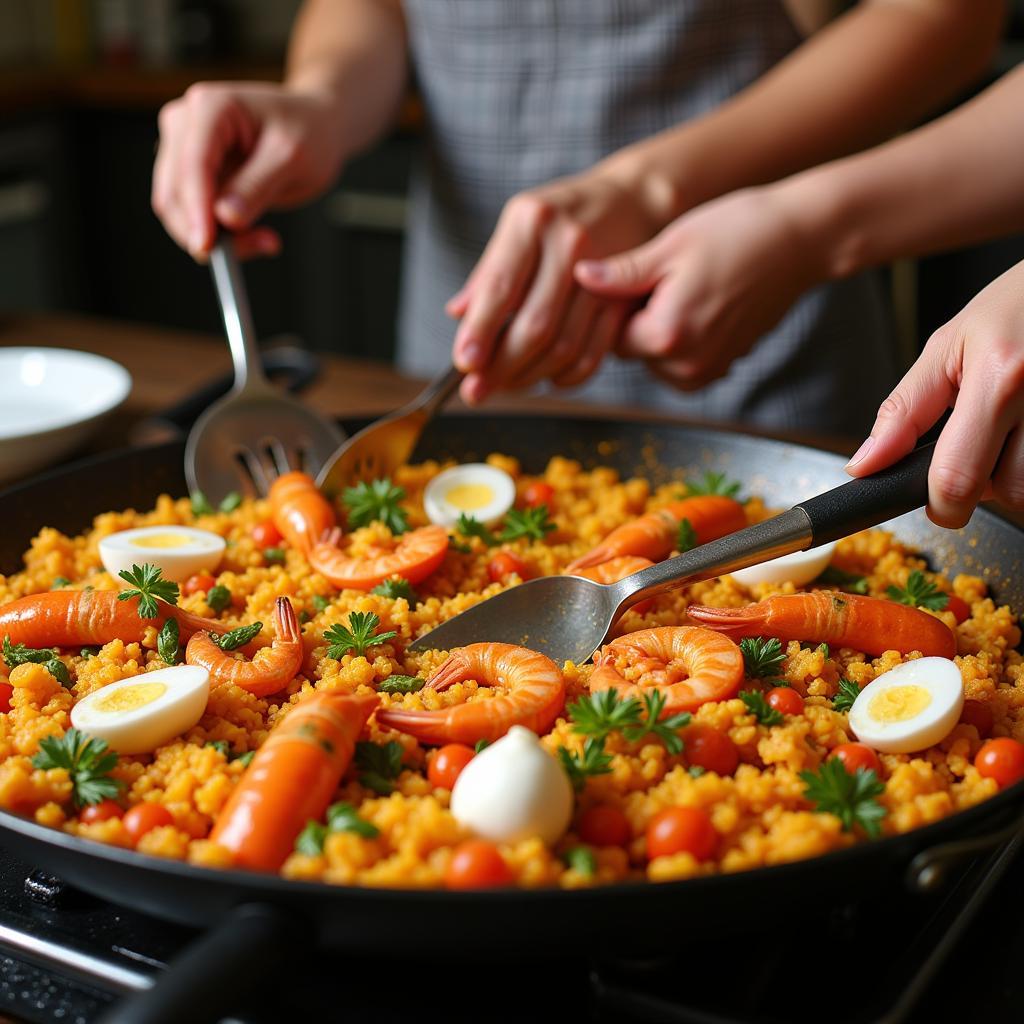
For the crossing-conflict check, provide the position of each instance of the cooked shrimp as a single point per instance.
(616, 569)
(417, 555)
(688, 665)
(300, 512)
(534, 696)
(75, 618)
(870, 624)
(271, 669)
(655, 535)
(291, 779)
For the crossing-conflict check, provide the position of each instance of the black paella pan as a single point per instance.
(254, 917)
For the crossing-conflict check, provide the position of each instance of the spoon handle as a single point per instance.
(234, 308)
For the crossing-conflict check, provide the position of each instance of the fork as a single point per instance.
(379, 449)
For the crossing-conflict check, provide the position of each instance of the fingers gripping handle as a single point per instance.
(875, 499)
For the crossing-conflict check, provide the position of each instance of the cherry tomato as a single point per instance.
(103, 811)
(1002, 760)
(504, 563)
(476, 864)
(681, 829)
(201, 581)
(266, 534)
(856, 755)
(978, 714)
(785, 700)
(959, 607)
(604, 825)
(447, 764)
(143, 818)
(6, 692)
(710, 749)
(538, 493)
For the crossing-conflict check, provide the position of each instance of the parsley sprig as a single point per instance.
(87, 761)
(666, 729)
(341, 817)
(580, 767)
(850, 797)
(527, 522)
(378, 499)
(758, 706)
(919, 593)
(468, 526)
(202, 507)
(847, 693)
(850, 581)
(19, 654)
(687, 538)
(762, 656)
(147, 586)
(393, 589)
(713, 483)
(168, 642)
(357, 637)
(239, 637)
(601, 713)
(581, 859)
(378, 764)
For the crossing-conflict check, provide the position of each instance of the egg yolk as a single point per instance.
(161, 540)
(469, 496)
(898, 703)
(128, 698)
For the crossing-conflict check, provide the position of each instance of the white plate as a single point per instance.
(51, 399)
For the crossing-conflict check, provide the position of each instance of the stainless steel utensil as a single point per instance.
(568, 617)
(255, 432)
(379, 449)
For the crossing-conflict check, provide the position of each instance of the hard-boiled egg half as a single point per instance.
(799, 568)
(911, 707)
(179, 551)
(483, 492)
(512, 790)
(137, 715)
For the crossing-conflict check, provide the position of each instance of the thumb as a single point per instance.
(633, 272)
(254, 186)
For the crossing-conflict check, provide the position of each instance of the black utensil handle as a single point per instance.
(864, 503)
(217, 972)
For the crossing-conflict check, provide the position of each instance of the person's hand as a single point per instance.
(718, 278)
(523, 317)
(974, 364)
(230, 151)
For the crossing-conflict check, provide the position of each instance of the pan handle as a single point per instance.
(205, 982)
(928, 870)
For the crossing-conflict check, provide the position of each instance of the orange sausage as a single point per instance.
(300, 512)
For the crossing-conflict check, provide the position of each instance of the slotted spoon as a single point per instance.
(568, 617)
(253, 434)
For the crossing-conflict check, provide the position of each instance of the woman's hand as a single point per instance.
(974, 363)
(523, 317)
(717, 278)
(230, 151)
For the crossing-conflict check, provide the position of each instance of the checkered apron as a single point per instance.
(518, 92)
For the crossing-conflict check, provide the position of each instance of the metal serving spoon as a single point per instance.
(568, 617)
(255, 432)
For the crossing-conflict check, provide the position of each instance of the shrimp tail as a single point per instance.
(285, 621)
(747, 621)
(433, 727)
(456, 669)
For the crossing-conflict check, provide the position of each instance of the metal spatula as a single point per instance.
(568, 617)
(254, 433)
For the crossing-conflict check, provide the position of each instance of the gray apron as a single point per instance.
(518, 92)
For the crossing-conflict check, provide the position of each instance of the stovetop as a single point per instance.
(898, 956)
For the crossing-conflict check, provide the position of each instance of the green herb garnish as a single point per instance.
(239, 637)
(582, 860)
(168, 642)
(377, 500)
(320, 602)
(223, 746)
(357, 637)
(218, 598)
(480, 745)
(696, 770)
(666, 729)
(760, 708)
(401, 684)
(848, 692)
(147, 586)
(687, 538)
(200, 506)
(470, 527)
(844, 580)
(18, 654)
(580, 767)
(88, 652)
(58, 582)
(230, 502)
(919, 593)
(825, 649)
(762, 656)
(246, 759)
(463, 549)
(850, 797)
(87, 762)
(527, 522)
(310, 840)
(395, 588)
(602, 712)
(273, 555)
(379, 764)
(713, 483)
(342, 817)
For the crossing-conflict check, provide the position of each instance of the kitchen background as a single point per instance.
(81, 82)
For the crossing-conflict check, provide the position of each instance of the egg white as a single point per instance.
(140, 730)
(941, 678)
(201, 552)
(444, 513)
(798, 568)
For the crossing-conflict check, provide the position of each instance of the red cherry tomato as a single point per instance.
(476, 864)
(978, 714)
(1002, 760)
(145, 817)
(710, 749)
(785, 700)
(504, 563)
(959, 607)
(201, 581)
(681, 829)
(604, 825)
(6, 692)
(538, 493)
(266, 534)
(856, 755)
(447, 764)
(103, 811)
